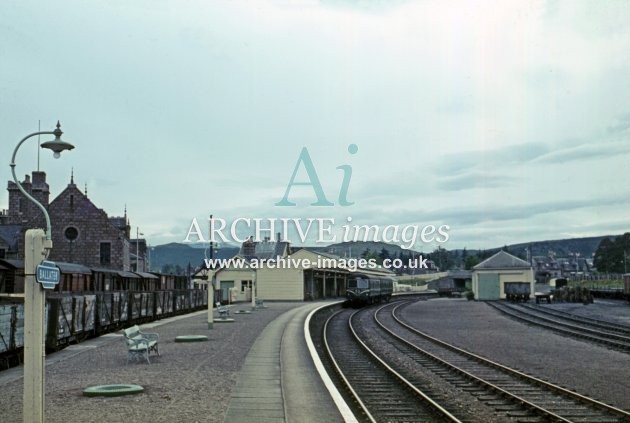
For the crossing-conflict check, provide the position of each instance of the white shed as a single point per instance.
(492, 276)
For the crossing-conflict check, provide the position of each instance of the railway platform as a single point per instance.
(279, 382)
(258, 368)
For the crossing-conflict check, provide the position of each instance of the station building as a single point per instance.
(277, 273)
(491, 277)
(82, 233)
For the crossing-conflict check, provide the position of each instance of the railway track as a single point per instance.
(609, 334)
(602, 324)
(381, 393)
(521, 396)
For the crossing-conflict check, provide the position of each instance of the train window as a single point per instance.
(362, 283)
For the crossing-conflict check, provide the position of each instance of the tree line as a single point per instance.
(612, 255)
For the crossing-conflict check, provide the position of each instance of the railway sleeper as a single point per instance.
(506, 407)
(518, 413)
(489, 398)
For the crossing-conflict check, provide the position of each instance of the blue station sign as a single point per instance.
(48, 274)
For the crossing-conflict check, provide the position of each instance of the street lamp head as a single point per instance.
(57, 145)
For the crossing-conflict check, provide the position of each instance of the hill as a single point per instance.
(178, 255)
(356, 249)
(585, 247)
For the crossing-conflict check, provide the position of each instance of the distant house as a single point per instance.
(9, 240)
(491, 277)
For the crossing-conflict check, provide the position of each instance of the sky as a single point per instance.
(507, 121)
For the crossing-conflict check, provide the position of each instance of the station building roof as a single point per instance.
(146, 275)
(72, 268)
(502, 260)
(12, 263)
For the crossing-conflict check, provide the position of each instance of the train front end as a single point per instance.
(358, 292)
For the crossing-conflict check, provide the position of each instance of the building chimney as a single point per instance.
(249, 248)
(40, 188)
(39, 177)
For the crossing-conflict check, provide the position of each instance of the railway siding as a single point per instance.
(593, 370)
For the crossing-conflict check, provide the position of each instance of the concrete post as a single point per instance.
(34, 305)
(254, 291)
(211, 283)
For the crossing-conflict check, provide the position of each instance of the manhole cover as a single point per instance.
(191, 338)
(112, 390)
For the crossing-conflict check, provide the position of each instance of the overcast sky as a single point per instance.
(508, 121)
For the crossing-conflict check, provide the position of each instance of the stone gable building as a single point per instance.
(81, 232)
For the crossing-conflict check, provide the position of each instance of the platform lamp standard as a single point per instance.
(210, 286)
(254, 274)
(210, 283)
(37, 246)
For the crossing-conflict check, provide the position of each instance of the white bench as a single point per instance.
(224, 311)
(139, 344)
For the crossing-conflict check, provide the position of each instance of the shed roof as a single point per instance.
(125, 274)
(459, 274)
(12, 263)
(104, 270)
(147, 275)
(73, 268)
(502, 260)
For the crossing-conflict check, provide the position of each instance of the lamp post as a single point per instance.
(254, 290)
(37, 246)
(210, 267)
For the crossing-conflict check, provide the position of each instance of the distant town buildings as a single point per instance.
(82, 233)
(548, 267)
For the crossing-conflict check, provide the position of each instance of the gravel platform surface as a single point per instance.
(587, 368)
(189, 382)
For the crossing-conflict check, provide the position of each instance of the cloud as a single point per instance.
(587, 152)
(475, 179)
(460, 109)
(620, 126)
(460, 163)
(473, 169)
